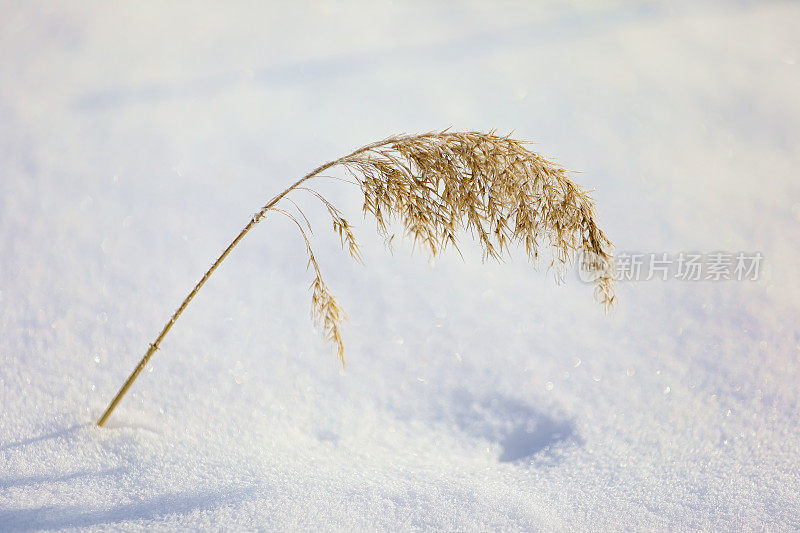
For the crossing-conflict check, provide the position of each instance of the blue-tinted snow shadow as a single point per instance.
(524, 434)
(110, 513)
(58, 434)
(159, 508)
(315, 71)
(10, 482)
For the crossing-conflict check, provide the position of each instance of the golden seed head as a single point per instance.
(437, 184)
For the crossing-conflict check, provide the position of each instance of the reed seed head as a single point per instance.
(439, 184)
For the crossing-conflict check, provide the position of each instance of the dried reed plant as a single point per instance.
(436, 185)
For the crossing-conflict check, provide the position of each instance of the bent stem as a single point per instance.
(253, 221)
(154, 346)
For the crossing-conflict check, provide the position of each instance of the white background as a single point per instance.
(135, 142)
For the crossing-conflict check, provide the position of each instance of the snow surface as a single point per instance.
(135, 142)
